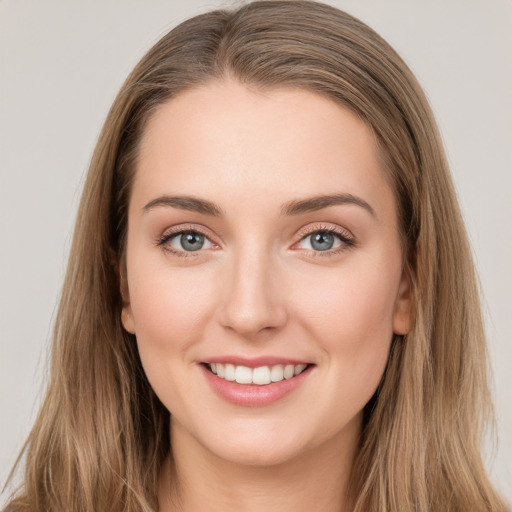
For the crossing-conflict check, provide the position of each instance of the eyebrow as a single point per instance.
(192, 204)
(313, 204)
(295, 207)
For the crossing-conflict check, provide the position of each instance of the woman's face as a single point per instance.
(262, 243)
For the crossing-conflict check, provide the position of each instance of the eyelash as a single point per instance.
(347, 240)
(169, 235)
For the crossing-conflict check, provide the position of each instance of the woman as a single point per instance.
(270, 300)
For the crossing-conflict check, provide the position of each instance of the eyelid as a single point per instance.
(180, 228)
(324, 227)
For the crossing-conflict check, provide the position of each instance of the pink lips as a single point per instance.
(253, 395)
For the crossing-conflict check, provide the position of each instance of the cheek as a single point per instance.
(170, 308)
(352, 310)
(349, 313)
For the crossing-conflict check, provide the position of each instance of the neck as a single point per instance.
(314, 480)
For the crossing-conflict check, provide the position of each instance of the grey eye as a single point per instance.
(189, 241)
(322, 241)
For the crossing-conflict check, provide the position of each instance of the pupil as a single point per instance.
(322, 241)
(192, 241)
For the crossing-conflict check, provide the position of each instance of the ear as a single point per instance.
(126, 311)
(403, 313)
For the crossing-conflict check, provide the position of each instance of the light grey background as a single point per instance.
(61, 64)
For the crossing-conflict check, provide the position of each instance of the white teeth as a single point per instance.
(230, 372)
(261, 376)
(276, 374)
(289, 370)
(243, 375)
(299, 369)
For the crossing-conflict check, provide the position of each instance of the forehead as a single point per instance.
(232, 142)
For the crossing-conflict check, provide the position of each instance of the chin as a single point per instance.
(259, 443)
(257, 455)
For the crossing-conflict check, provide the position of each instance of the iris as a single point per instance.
(322, 241)
(192, 241)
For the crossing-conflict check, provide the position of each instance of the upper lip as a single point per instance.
(255, 362)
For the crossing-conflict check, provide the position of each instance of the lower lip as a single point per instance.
(253, 395)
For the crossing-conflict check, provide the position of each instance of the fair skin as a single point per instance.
(262, 278)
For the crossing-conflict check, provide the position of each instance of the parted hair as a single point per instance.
(101, 436)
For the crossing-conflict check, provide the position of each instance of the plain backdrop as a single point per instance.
(61, 64)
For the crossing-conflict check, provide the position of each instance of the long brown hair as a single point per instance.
(101, 436)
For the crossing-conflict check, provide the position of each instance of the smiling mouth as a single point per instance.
(261, 376)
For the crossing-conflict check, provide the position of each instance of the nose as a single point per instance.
(253, 300)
